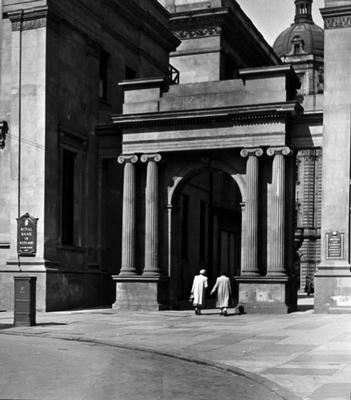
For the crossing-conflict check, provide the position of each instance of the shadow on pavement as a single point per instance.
(50, 324)
(6, 326)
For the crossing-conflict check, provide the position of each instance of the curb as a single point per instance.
(270, 385)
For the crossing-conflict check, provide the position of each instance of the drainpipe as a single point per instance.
(19, 125)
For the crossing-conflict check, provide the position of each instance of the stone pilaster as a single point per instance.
(249, 264)
(128, 221)
(276, 210)
(332, 282)
(151, 215)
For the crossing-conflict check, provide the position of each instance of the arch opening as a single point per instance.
(206, 228)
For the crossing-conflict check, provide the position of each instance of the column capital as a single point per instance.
(254, 151)
(124, 158)
(151, 157)
(281, 150)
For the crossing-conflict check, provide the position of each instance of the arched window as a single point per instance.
(297, 45)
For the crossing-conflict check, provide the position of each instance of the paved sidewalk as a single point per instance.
(300, 355)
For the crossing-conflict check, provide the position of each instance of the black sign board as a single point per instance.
(26, 235)
(335, 245)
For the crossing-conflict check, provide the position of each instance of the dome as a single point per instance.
(303, 36)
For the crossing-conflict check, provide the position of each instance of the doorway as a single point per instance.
(207, 226)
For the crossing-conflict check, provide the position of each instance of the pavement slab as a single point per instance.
(306, 354)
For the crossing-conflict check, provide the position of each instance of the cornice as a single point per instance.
(198, 32)
(201, 23)
(142, 19)
(33, 18)
(310, 117)
(336, 17)
(222, 21)
(254, 114)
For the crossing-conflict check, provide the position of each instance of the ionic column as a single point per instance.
(128, 219)
(276, 216)
(249, 265)
(151, 215)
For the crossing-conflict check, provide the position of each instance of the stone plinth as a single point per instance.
(139, 293)
(57, 289)
(333, 293)
(333, 278)
(267, 295)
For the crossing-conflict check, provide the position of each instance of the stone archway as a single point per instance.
(205, 223)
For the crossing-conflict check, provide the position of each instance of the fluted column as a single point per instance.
(276, 217)
(128, 220)
(249, 265)
(151, 215)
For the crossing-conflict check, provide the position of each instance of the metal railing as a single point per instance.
(173, 75)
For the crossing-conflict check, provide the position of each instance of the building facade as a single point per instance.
(211, 151)
(60, 62)
(302, 46)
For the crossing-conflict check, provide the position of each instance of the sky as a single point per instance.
(271, 17)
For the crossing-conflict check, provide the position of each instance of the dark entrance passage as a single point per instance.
(208, 229)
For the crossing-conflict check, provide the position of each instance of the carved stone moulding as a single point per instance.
(284, 150)
(198, 32)
(29, 19)
(337, 22)
(337, 17)
(257, 151)
(151, 157)
(124, 158)
(198, 23)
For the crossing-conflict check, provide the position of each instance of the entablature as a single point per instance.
(242, 114)
(306, 131)
(206, 129)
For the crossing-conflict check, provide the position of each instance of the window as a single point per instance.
(297, 45)
(103, 79)
(130, 73)
(70, 198)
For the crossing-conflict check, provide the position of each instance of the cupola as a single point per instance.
(303, 36)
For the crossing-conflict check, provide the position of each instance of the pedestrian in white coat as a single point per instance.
(198, 291)
(224, 292)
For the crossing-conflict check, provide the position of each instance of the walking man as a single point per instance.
(198, 291)
(224, 292)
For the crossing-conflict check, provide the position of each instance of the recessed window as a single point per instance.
(70, 198)
(297, 48)
(103, 79)
(130, 73)
(297, 45)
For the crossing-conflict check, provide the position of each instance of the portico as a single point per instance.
(166, 141)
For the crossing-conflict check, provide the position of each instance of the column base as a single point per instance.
(274, 274)
(128, 273)
(332, 289)
(250, 273)
(273, 295)
(140, 293)
(151, 273)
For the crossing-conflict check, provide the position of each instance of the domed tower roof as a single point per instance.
(303, 36)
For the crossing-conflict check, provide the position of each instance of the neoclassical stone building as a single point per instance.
(60, 62)
(214, 150)
(259, 135)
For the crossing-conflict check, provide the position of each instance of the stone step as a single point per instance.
(339, 310)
